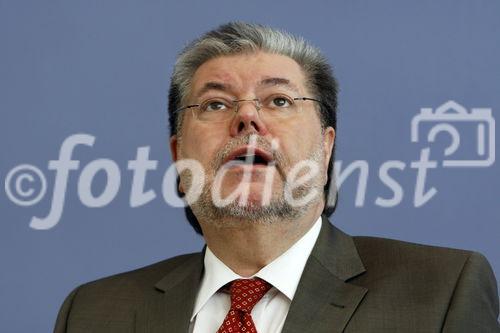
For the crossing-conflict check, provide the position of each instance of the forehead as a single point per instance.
(245, 72)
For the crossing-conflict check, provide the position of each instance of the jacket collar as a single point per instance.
(169, 308)
(324, 301)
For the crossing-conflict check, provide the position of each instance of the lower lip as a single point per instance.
(247, 166)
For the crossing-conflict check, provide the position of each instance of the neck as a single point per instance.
(249, 246)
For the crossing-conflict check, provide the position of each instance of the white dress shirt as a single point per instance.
(283, 273)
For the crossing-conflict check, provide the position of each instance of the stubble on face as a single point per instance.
(251, 212)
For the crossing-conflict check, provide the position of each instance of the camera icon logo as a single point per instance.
(477, 126)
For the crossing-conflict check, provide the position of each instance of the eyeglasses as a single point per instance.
(220, 109)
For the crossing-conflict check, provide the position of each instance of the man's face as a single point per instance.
(213, 144)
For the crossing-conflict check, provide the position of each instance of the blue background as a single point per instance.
(103, 68)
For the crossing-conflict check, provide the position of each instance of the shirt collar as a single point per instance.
(283, 272)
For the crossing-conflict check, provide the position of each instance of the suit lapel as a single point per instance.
(171, 309)
(325, 300)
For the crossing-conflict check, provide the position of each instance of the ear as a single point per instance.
(175, 155)
(328, 142)
(173, 147)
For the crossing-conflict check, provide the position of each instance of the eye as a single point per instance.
(279, 101)
(212, 105)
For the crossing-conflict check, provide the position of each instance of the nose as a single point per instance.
(247, 119)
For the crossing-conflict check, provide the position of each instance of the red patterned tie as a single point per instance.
(245, 293)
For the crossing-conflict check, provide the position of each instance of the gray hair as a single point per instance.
(237, 38)
(240, 37)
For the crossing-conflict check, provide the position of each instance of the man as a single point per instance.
(254, 109)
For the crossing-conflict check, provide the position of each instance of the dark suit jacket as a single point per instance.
(349, 284)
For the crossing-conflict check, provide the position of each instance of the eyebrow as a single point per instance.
(211, 85)
(267, 82)
(278, 81)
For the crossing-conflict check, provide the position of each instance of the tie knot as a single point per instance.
(245, 293)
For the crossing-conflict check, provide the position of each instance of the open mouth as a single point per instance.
(249, 156)
(251, 159)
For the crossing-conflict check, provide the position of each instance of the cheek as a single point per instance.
(201, 143)
(295, 140)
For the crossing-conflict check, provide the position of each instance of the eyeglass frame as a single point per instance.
(257, 104)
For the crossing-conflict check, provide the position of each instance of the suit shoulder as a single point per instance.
(458, 285)
(135, 282)
(387, 244)
(382, 252)
(113, 301)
